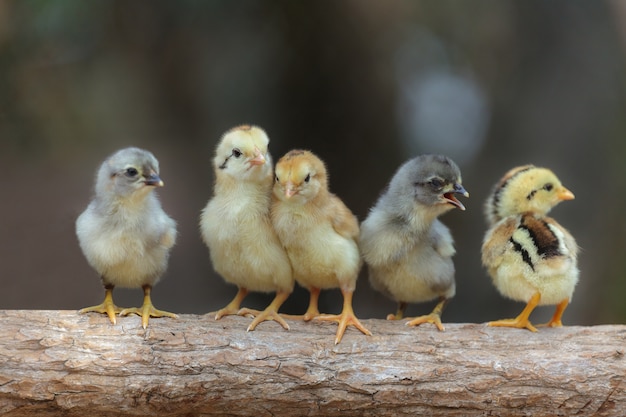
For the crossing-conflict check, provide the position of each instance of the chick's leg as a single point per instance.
(521, 321)
(147, 310)
(107, 307)
(434, 317)
(232, 307)
(270, 313)
(400, 313)
(555, 321)
(313, 310)
(345, 318)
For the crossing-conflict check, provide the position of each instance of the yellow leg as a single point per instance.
(555, 321)
(313, 310)
(232, 307)
(521, 321)
(434, 317)
(400, 313)
(345, 318)
(270, 313)
(147, 310)
(107, 307)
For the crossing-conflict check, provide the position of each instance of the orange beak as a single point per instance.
(258, 159)
(565, 194)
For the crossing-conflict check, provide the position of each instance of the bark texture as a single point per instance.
(62, 363)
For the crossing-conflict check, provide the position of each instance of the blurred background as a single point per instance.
(365, 84)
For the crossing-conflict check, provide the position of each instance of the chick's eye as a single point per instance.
(276, 178)
(132, 172)
(436, 183)
(548, 187)
(236, 153)
(308, 178)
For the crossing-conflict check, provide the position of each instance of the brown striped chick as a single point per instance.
(407, 249)
(124, 233)
(236, 224)
(530, 257)
(319, 233)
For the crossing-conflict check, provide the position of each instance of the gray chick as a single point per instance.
(124, 233)
(407, 249)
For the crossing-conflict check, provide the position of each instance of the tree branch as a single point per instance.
(62, 363)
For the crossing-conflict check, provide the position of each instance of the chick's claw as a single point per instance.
(261, 316)
(106, 307)
(517, 323)
(432, 318)
(344, 319)
(270, 313)
(233, 307)
(146, 311)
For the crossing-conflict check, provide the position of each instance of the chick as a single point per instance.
(124, 233)
(236, 225)
(529, 256)
(319, 233)
(407, 249)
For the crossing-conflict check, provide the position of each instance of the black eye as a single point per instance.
(131, 172)
(236, 153)
(276, 178)
(548, 187)
(436, 183)
(308, 178)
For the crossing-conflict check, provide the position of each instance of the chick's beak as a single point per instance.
(564, 194)
(154, 180)
(450, 198)
(290, 189)
(258, 159)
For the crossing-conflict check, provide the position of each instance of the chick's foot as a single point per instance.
(107, 307)
(270, 313)
(147, 310)
(347, 317)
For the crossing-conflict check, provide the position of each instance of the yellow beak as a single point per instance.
(565, 194)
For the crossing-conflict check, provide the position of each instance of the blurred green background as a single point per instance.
(365, 84)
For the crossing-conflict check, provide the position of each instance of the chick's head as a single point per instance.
(432, 181)
(525, 189)
(243, 153)
(128, 172)
(299, 177)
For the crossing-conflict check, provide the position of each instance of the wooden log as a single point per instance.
(62, 363)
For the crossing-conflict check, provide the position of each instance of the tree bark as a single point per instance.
(62, 363)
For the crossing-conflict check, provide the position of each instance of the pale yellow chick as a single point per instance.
(319, 233)
(236, 224)
(530, 257)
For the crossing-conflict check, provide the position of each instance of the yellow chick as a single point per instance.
(236, 224)
(319, 233)
(124, 233)
(529, 256)
(407, 249)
